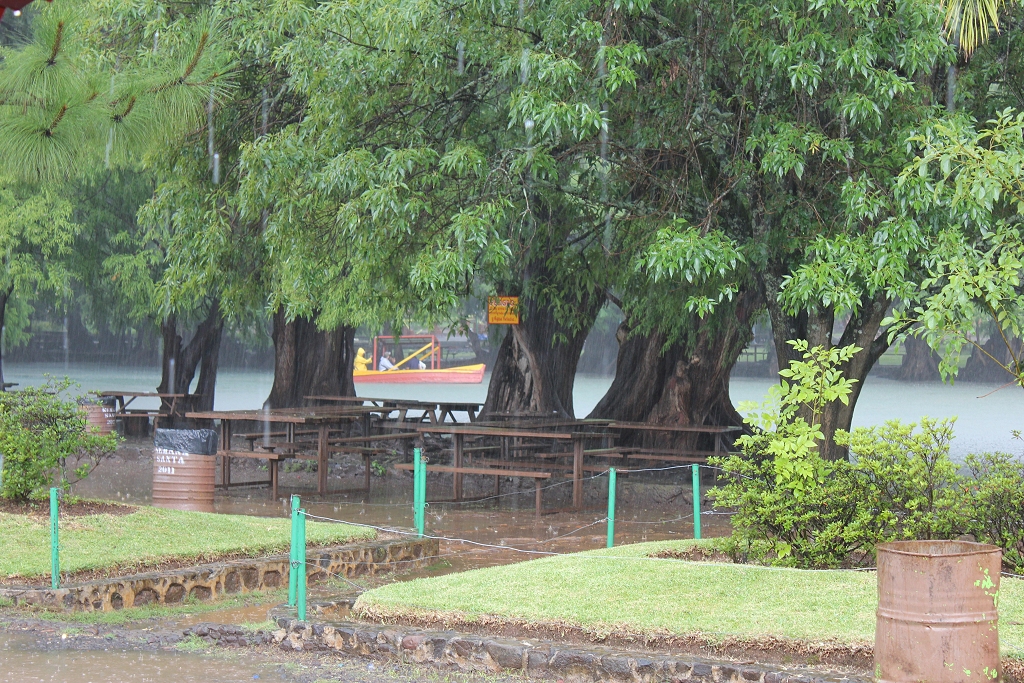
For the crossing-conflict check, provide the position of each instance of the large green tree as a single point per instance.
(36, 238)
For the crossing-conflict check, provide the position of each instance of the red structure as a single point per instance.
(15, 5)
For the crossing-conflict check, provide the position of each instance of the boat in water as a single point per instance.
(428, 357)
(463, 374)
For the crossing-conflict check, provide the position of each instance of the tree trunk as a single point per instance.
(685, 384)
(920, 364)
(5, 296)
(536, 363)
(817, 328)
(180, 363)
(981, 368)
(309, 361)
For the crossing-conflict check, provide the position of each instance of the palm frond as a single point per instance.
(967, 22)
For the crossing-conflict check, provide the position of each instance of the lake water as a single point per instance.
(983, 424)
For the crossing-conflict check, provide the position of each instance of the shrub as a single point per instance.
(907, 480)
(787, 499)
(781, 525)
(994, 501)
(45, 440)
(792, 507)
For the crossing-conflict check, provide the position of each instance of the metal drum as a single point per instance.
(937, 617)
(184, 480)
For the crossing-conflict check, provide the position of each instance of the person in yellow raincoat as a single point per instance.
(361, 362)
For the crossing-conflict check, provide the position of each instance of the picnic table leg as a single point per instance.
(273, 480)
(456, 477)
(537, 496)
(577, 471)
(366, 424)
(321, 452)
(366, 473)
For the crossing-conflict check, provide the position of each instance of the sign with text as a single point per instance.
(503, 310)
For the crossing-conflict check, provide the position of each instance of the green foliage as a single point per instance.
(794, 508)
(788, 421)
(975, 177)
(777, 524)
(908, 481)
(73, 96)
(45, 440)
(36, 235)
(995, 504)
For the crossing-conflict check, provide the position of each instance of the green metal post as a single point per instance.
(54, 552)
(293, 575)
(611, 507)
(421, 510)
(416, 465)
(302, 566)
(696, 501)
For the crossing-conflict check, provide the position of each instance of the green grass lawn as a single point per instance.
(148, 537)
(604, 590)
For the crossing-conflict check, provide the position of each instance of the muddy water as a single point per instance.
(24, 660)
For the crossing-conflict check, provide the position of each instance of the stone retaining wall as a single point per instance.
(573, 664)
(212, 581)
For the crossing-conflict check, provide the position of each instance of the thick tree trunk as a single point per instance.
(685, 384)
(5, 296)
(981, 367)
(863, 329)
(920, 364)
(180, 363)
(536, 363)
(309, 361)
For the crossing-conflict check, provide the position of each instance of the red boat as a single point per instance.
(429, 355)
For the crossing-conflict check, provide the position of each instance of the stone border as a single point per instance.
(533, 658)
(208, 582)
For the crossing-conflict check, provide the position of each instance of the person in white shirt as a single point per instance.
(385, 362)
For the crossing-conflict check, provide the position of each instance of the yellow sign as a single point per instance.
(503, 310)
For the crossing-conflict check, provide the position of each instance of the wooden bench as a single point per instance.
(656, 455)
(537, 477)
(273, 456)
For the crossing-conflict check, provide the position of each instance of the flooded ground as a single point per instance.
(650, 506)
(984, 424)
(28, 659)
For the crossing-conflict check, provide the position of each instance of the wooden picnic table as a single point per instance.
(322, 420)
(126, 398)
(436, 411)
(459, 432)
(716, 430)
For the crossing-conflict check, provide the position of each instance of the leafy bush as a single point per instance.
(789, 500)
(45, 439)
(794, 508)
(994, 502)
(907, 481)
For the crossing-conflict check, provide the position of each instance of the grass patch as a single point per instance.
(191, 643)
(604, 591)
(148, 538)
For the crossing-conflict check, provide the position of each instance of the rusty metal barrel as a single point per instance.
(937, 619)
(184, 469)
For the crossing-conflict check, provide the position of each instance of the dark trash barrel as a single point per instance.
(184, 469)
(937, 617)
